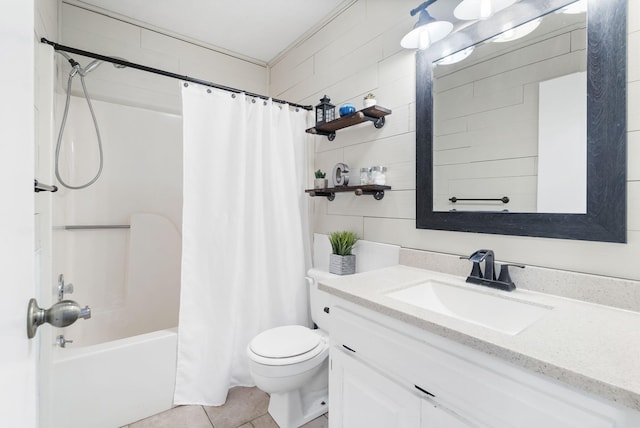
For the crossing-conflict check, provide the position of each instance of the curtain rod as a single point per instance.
(165, 73)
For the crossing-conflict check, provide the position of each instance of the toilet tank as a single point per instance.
(319, 300)
(369, 255)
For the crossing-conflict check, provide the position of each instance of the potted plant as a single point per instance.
(341, 261)
(369, 100)
(320, 181)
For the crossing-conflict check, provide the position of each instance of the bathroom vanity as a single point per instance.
(477, 357)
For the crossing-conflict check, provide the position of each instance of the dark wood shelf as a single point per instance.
(373, 114)
(367, 189)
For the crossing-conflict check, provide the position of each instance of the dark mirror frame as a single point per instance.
(605, 219)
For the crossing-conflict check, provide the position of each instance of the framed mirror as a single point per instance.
(462, 154)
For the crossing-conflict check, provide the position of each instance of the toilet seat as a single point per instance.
(286, 345)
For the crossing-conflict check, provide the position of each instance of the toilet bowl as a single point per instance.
(291, 363)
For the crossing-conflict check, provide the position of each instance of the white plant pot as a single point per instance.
(342, 265)
(320, 183)
(368, 102)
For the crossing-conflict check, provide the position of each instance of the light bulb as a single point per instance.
(424, 40)
(517, 32)
(486, 9)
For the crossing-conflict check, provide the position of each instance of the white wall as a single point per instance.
(359, 52)
(94, 32)
(18, 356)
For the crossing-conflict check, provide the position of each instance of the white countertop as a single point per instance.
(592, 347)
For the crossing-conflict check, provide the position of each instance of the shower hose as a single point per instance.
(77, 70)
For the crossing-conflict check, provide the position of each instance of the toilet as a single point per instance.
(291, 363)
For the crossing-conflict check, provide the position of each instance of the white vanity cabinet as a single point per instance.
(385, 373)
(368, 398)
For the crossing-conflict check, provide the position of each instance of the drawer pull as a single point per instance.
(422, 390)
(352, 350)
(326, 309)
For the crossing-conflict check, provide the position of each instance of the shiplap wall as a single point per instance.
(359, 52)
(95, 32)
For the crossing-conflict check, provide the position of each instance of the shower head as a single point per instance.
(83, 71)
(97, 62)
(90, 67)
(119, 65)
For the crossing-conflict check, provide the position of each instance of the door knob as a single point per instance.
(62, 314)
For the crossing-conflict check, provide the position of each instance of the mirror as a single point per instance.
(508, 113)
(445, 145)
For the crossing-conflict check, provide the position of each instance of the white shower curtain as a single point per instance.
(245, 239)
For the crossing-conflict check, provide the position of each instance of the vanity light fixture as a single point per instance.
(427, 30)
(472, 10)
(517, 32)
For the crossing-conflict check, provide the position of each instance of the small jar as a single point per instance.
(365, 176)
(379, 175)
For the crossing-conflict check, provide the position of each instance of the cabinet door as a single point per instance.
(361, 397)
(436, 416)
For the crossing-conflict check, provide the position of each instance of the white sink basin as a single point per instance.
(498, 313)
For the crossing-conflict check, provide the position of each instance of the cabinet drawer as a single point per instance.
(481, 393)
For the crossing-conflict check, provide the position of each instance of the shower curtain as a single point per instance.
(245, 238)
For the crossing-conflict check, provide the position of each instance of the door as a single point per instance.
(361, 397)
(18, 359)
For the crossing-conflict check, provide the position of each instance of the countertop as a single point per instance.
(592, 347)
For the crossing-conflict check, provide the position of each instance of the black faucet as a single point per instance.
(488, 278)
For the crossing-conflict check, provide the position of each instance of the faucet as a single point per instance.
(488, 278)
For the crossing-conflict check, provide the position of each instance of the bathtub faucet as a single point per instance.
(62, 314)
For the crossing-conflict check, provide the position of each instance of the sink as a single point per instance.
(503, 314)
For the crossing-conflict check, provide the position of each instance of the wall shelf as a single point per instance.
(376, 190)
(373, 114)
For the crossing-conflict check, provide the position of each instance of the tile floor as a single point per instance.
(245, 408)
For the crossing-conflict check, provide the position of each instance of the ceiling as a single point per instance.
(257, 29)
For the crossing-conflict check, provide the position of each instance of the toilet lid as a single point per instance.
(284, 342)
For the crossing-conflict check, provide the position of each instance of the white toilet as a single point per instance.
(291, 363)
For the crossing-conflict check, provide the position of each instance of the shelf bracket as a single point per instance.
(378, 122)
(330, 135)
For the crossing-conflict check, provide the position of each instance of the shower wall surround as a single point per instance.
(359, 52)
(116, 270)
(94, 32)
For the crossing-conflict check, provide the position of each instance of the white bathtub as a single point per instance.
(113, 384)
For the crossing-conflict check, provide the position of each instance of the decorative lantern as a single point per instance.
(325, 111)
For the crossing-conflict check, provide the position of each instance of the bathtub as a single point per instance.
(116, 383)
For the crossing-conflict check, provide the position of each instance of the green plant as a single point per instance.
(320, 174)
(369, 96)
(342, 242)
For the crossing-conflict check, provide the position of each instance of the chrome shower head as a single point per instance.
(90, 67)
(119, 65)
